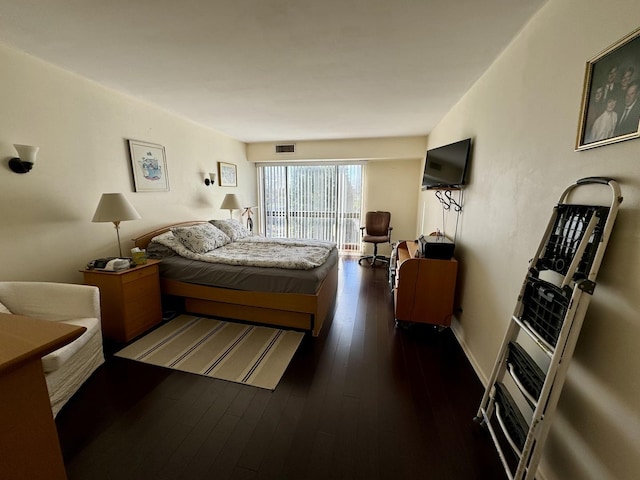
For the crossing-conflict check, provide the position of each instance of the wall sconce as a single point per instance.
(25, 160)
(211, 180)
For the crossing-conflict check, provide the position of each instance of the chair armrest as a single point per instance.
(51, 301)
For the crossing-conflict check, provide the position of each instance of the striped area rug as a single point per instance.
(247, 354)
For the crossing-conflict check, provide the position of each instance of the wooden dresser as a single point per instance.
(423, 288)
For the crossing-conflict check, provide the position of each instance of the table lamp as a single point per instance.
(230, 203)
(114, 207)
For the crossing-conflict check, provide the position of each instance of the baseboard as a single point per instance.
(456, 328)
(457, 332)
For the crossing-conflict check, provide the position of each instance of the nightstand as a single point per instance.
(130, 302)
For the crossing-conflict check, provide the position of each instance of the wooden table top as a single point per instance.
(23, 338)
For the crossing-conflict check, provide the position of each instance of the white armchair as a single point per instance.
(67, 368)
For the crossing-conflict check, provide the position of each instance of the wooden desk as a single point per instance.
(29, 445)
(424, 288)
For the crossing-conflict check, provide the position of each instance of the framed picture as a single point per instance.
(611, 98)
(228, 174)
(149, 166)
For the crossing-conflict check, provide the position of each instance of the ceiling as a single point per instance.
(277, 70)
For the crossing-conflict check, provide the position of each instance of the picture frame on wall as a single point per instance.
(610, 110)
(149, 165)
(227, 174)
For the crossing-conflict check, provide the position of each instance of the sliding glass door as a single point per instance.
(321, 202)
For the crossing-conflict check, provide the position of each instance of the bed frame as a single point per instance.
(292, 310)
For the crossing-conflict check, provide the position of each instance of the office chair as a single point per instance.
(376, 231)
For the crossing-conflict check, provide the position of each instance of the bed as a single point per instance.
(299, 299)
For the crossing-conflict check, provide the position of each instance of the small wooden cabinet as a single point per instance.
(423, 288)
(130, 302)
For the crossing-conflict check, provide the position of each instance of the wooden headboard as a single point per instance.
(143, 240)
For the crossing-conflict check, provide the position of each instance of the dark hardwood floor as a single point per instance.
(362, 401)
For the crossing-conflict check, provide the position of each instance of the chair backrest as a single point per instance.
(377, 223)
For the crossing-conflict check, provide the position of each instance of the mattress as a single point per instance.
(239, 277)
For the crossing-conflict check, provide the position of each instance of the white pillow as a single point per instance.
(233, 228)
(201, 238)
(4, 309)
(167, 239)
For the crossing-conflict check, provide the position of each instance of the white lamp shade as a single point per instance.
(114, 207)
(230, 202)
(26, 153)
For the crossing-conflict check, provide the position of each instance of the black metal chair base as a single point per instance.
(372, 259)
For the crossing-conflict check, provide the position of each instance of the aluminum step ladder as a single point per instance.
(522, 394)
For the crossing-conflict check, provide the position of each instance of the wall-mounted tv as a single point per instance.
(446, 166)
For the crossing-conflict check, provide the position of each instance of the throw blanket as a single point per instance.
(293, 254)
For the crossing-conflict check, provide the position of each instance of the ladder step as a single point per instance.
(568, 232)
(514, 425)
(545, 306)
(527, 374)
(533, 335)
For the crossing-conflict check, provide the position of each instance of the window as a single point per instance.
(320, 202)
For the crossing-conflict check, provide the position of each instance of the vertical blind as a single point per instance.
(321, 202)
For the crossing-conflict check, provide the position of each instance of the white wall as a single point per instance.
(81, 129)
(523, 114)
(394, 186)
(391, 148)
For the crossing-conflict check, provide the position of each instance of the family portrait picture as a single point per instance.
(611, 103)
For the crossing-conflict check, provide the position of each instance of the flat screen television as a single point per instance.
(446, 166)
